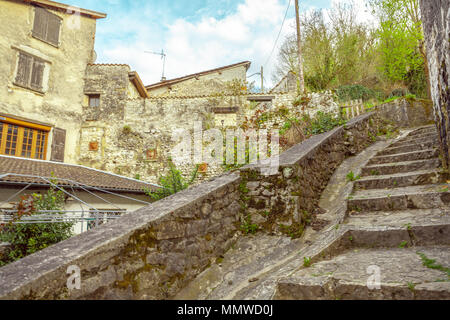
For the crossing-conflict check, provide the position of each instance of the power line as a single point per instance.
(279, 33)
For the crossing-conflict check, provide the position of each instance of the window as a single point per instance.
(30, 72)
(21, 141)
(46, 26)
(94, 100)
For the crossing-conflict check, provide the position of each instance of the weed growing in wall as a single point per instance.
(172, 183)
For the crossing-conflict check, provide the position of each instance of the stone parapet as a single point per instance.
(148, 254)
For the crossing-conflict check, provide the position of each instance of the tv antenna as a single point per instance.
(163, 57)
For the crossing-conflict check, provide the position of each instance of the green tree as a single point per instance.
(401, 43)
(335, 53)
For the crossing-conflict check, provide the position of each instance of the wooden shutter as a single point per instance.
(58, 145)
(37, 74)
(54, 24)
(23, 69)
(40, 23)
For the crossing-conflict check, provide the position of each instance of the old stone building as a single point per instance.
(45, 48)
(130, 131)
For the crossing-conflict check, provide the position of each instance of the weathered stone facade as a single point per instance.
(436, 26)
(134, 133)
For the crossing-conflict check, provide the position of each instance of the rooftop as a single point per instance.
(184, 78)
(68, 8)
(21, 171)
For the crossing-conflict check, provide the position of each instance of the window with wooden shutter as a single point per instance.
(40, 23)
(46, 26)
(22, 139)
(24, 69)
(58, 145)
(30, 72)
(37, 74)
(54, 23)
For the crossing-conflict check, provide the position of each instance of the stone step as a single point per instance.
(425, 139)
(401, 228)
(407, 156)
(413, 178)
(408, 148)
(423, 130)
(413, 197)
(401, 273)
(400, 167)
(247, 257)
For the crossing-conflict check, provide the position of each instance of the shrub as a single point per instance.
(356, 92)
(26, 239)
(126, 129)
(400, 92)
(322, 122)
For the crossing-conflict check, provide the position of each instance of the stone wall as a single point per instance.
(436, 26)
(148, 254)
(407, 112)
(127, 129)
(154, 252)
(283, 203)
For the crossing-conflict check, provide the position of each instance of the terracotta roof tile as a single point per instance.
(109, 64)
(82, 175)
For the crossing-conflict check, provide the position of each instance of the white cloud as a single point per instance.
(247, 34)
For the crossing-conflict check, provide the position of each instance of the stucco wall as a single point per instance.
(60, 106)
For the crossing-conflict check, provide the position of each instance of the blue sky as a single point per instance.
(197, 35)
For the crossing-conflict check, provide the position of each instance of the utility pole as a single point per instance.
(262, 79)
(301, 80)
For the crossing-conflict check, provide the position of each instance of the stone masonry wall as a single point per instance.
(436, 27)
(283, 203)
(148, 254)
(407, 112)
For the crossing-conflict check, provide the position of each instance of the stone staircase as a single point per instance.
(392, 222)
(397, 223)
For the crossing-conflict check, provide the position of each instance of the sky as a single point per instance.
(196, 35)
